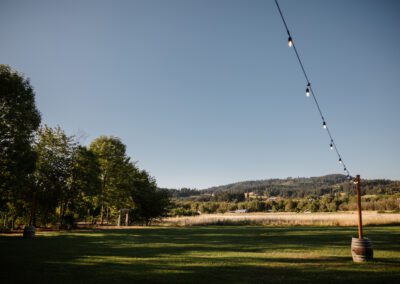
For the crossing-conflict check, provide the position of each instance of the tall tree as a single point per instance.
(111, 153)
(19, 118)
(84, 183)
(53, 167)
(150, 202)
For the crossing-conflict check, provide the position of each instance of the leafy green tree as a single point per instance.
(324, 204)
(229, 196)
(111, 154)
(54, 151)
(290, 205)
(150, 202)
(19, 118)
(84, 183)
(334, 205)
(255, 206)
(314, 205)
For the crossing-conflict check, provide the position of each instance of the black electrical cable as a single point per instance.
(312, 91)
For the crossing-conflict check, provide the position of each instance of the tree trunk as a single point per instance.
(32, 209)
(87, 217)
(103, 185)
(13, 222)
(61, 213)
(101, 212)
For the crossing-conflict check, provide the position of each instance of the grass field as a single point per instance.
(347, 218)
(214, 254)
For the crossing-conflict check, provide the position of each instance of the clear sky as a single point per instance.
(206, 93)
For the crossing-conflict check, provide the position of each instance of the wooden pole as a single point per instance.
(360, 231)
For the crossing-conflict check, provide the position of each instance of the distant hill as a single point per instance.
(295, 187)
(288, 183)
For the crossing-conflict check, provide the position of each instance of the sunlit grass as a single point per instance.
(347, 218)
(227, 254)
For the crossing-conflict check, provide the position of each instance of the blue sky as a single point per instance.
(206, 93)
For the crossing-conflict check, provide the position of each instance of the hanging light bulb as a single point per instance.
(324, 124)
(308, 90)
(290, 41)
(345, 170)
(331, 146)
(340, 160)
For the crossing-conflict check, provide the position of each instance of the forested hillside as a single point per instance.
(328, 193)
(294, 187)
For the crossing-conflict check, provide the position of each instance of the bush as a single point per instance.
(183, 212)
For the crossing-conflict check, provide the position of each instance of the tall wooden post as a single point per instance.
(360, 230)
(361, 248)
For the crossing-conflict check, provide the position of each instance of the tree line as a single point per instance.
(48, 177)
(329, 193)
(383, 203)
(290, 188)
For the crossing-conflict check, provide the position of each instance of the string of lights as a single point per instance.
(310, 92)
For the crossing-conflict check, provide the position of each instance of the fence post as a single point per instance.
(360, 230)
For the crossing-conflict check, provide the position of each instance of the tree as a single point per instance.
(53, 167)
(19, 118)
(150, 202)
(290, 205)
(84, 183)
(111, 154)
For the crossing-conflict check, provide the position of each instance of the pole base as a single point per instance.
(361, 250)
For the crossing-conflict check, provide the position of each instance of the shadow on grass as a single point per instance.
(201, 254)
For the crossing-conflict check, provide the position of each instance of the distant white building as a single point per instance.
(240, 211)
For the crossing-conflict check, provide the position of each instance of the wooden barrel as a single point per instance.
(361, 250)
(29, 232)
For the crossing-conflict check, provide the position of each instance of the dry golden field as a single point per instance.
(286, 219)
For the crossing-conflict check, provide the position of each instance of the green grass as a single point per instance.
(224, 254)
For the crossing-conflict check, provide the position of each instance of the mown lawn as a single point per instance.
(225, 254)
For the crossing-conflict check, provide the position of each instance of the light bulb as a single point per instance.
(331, 146)
(340, 160)
(345, 170)
(307, 92)
(324, 124)
(290, 42)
